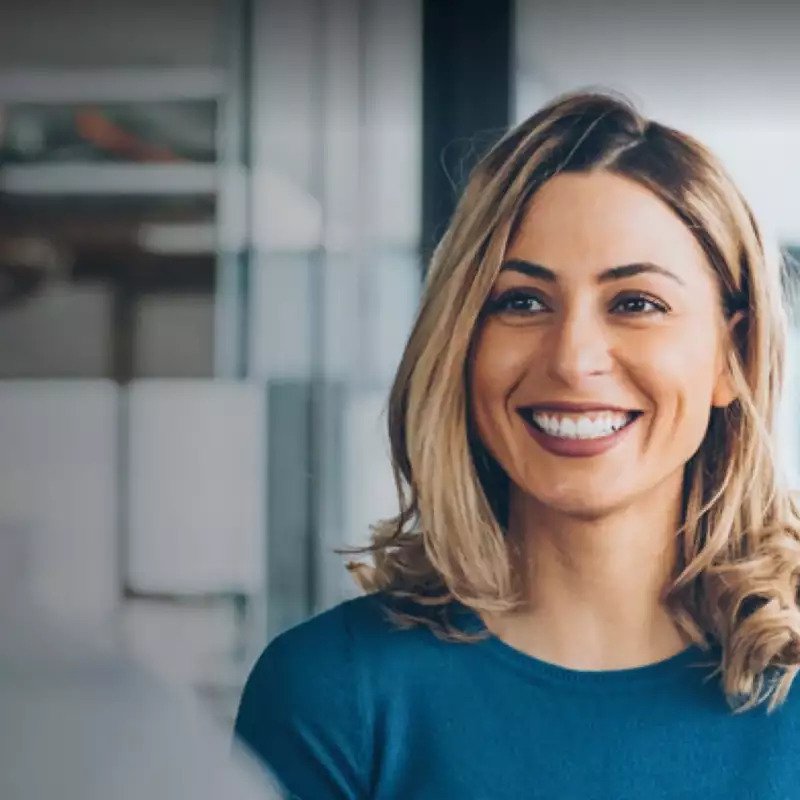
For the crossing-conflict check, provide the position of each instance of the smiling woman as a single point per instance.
(582, 435)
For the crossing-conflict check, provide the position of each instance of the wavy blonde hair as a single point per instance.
(736, 579)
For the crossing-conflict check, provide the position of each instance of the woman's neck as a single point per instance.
(594, 587)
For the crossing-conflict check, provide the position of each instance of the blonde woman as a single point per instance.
(591, 590)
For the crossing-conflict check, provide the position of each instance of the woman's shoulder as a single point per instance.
(360, 627)
(357, 642)
(306, 706)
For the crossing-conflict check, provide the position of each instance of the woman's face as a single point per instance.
(600, 352)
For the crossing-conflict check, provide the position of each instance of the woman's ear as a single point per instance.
(724, 391)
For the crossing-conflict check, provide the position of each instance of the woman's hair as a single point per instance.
(736, 579)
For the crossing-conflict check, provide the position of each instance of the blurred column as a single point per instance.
(467, 80)
(286, 120)
(233, 204)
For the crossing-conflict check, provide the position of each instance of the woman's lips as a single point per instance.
(573, 448)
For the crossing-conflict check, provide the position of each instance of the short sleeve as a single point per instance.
(301, 712)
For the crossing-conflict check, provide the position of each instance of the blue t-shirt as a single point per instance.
(346, 705)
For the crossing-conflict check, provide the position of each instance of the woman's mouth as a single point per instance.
(585, 433)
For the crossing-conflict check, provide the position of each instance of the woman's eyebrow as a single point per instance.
(533, 270)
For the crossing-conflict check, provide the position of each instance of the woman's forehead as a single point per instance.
(587, 222)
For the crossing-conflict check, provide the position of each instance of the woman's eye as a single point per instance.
(520, 303)
(517, 303)
(639, 304)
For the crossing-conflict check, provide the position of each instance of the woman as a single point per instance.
(591, 588)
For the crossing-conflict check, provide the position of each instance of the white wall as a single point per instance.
(196, 480)
(58, 495)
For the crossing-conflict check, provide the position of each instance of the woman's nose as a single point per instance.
(579, 348)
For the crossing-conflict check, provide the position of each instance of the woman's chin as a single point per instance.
(577, 502)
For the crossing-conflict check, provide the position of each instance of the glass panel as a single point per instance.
(336, 273)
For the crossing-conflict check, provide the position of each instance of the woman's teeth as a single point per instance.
(581, 426)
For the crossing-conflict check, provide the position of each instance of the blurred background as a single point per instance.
(214, 222)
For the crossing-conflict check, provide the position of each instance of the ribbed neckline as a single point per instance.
(670, 669)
